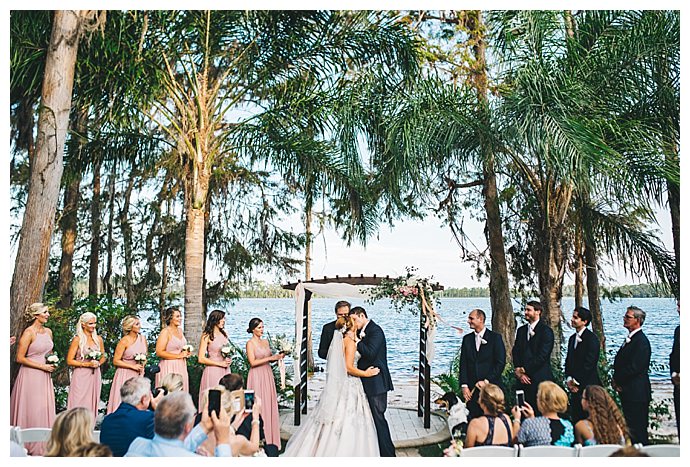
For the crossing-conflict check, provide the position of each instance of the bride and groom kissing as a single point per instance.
(349, 419)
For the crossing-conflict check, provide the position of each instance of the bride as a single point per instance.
(341, 424)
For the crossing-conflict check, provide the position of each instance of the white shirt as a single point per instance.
(478, 337)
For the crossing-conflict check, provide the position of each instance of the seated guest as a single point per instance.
(629, 451)
(605, 424)
(93, 450)
(132, 417)
(549, 428)
(233, 382)
(175, 433)
(71, 430)
(494, 427)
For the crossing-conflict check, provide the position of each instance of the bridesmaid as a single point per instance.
(32, 402)
(169, 348)
(85, 385)
(212, 340)
(131, 344)
(261, 380)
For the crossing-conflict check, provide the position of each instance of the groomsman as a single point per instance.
(532, 353)
(631, 375)
(342, 309)
(482, 359)
(581, 361)
(675, 373)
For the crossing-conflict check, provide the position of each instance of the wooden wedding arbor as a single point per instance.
(424, 382)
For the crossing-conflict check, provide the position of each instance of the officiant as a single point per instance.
(342, 309)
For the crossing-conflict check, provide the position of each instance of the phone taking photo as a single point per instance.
(520, 396)
(214, 402)
(249, 400)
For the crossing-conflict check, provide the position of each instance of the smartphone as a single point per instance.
(520, 397)
(214, 402)
(248, 400)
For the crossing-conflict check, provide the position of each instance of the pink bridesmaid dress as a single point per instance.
(85, 386)
(213, 374)
(261, 380)
(123, 374)
(178, 365)
(32, 402)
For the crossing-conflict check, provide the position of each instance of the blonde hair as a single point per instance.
(551, 398)
(128, 322)
(172, 382)
(493, 399)
(93, 449)
(83, 338)
(32, 310)
(225, 399)
(71, 430)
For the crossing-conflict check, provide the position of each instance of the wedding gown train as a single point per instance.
(341, 423)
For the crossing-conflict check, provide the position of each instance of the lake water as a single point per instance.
(402, 329)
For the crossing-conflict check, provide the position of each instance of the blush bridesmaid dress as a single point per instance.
(261, 380)
(178, 365)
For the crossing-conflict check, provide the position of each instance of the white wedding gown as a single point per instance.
(341, 424)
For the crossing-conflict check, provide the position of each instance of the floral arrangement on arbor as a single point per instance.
(408, 292)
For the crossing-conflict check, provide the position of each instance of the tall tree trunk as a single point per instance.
(579, 285)
(164, 275)
(502, 317)
(94, 258)
(68, 224)
(207, 227)
(31, 263)
(126, 229)
(107, 282)
(674, 207)
(307, 276)
(593, 290)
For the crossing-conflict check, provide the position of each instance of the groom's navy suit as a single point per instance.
(487, 363)
(373, 352)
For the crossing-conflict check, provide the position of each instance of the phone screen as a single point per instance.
(520, 395)
(248, 400)
(214, 401)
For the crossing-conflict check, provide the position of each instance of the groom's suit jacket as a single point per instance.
(373, 352)
(487, 363)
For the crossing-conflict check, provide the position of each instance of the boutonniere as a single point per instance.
(578, 338)
(484, 342)
(627, 340)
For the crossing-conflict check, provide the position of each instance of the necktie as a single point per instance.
(477, 340)
(578, 339)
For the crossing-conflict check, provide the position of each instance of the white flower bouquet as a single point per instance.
(140, 358)
(94, 355)
(52, 358)
(226, 351)
(188, 348)
(283, 344)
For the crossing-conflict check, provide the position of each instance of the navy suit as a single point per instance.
(631, 374)
(373, 352)
(326, 338)
(581, 365)
(487, 363)
(675, 368)
(534, 355)
(121, 427)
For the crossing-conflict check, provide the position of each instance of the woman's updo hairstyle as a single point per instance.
(169, 313)
(34, 310)
(253, 323)
(493, 399)
(127, 323)
(344, 324)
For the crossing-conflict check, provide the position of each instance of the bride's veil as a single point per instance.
(336, 377)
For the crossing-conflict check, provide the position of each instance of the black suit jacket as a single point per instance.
(631, 369)
(581, 362)
(487, 363)
(675, 352)
(373, 352)
(326, 339)
(534, 355)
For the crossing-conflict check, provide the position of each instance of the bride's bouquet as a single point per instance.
(282, 344)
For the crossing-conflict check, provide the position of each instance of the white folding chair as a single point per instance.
(662, 450)
(598, 450)
(547, 451)
(489, 451)
(33, 435)
(97, 436)
(14, 434)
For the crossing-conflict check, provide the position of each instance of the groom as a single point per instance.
(372, 348)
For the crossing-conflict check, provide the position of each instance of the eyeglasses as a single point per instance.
(628, 317)
(342, 315)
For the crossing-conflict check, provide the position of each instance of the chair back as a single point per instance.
(33, 435)
(547, 451)
(489, 451)
(598, 450)
(662, 450)
(97, 436)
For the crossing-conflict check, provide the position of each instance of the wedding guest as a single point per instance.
(93, 450)
(175, 434)
(234, 382)
(32, 402)
(85, 384)
(342, 309)
(631, 375)
(605, 423)
(532, 353)
(172, 382)
(629, 451)
(72, 429)
(128, 347)
(675, 372)
(240, 445)
(549, 428)
(171, 347)
(132, 418)
(260, 378)
(494, 427)
(482, 359)
(213, 340)
(581, 361)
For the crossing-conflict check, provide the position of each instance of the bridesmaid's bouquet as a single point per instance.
(94, 355)
(226, 351)
(283, 344)
(52, 358)
(188, 348)
(140, 358)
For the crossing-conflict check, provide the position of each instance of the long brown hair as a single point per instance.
(607, 421)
